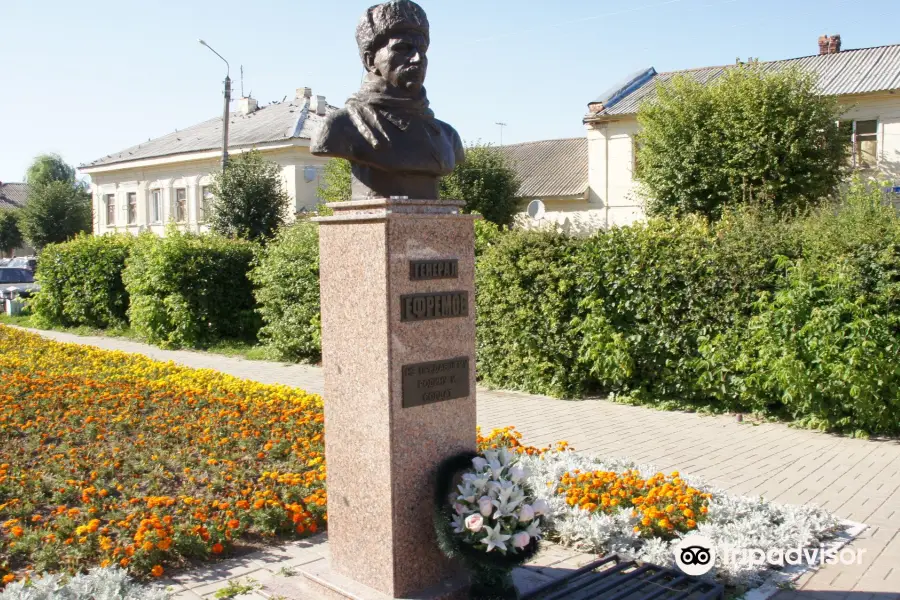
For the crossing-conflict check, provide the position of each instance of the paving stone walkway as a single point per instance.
(858, 480)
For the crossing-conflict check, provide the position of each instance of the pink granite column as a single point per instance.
(387, 428)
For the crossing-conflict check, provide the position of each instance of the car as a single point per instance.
(23, 262)
(4, 262)
(15, 281)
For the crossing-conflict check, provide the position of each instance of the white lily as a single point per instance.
(459, 523)
(534, 529)
(479, 463)
(494, 538)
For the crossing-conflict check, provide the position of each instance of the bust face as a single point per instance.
(401, 61)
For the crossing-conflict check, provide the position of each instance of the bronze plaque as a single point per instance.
(420, 270)
(434, 305)
(436, 381)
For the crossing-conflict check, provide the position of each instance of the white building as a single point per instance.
(168, 179)
(866, 81)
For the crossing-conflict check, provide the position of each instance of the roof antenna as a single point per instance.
(242, 82)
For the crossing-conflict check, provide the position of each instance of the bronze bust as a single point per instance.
(394, 144)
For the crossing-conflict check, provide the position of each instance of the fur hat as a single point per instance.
(381, 20)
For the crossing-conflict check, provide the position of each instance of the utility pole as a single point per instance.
(502, 125)
(227, 111)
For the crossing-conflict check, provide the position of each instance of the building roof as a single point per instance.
(857, 71)
(550, 167)
(271, 123)
(13, 195)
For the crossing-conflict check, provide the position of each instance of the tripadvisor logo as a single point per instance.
(695, 555)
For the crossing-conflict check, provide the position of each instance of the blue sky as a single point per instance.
(92, 77)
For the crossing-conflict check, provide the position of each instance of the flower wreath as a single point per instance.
(496, 474)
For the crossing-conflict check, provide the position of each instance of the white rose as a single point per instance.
(520, 540)
(526, 513)
(479, 463)
(485, 506)
(474, 522)
(540, 506)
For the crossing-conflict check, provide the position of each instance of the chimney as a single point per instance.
(835, 46)
(247, 105)
(303, 92)
(317, 105)
(829, 44)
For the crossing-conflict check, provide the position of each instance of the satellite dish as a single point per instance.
(535, 210)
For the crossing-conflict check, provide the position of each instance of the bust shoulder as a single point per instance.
(337, 136)
(459, 151)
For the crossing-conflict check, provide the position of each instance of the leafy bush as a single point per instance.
(190, 289)
(55, 212)
(287, 289)
(791, 317)
(250, 200)
(526, 299)
(335, 185)
(486, 182)
(649, 292)
(750, 135)
(81, 282)
(10, 234)
(824, 344)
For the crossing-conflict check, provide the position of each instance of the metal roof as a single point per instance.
(271, 123)
(13, 195)
(550, 167)
(858, 71)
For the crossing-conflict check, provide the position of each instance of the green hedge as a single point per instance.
(526, 300)
(81, 282)
(791, 318)
(191, 289)
(286, 277)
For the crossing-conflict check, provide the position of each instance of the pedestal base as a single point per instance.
(323, 580)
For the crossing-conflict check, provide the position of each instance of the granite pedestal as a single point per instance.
(398, 341)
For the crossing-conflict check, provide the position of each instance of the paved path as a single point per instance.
(856, 479)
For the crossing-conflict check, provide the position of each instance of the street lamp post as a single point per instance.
(225, 115)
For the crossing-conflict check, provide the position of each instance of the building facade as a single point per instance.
(168, 180)
(866, 82)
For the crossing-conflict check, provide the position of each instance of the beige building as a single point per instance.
(554, 172)
(13, 196)
(866, 81)
(168, 179)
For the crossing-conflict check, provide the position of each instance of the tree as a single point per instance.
(750, 135)
(10, 235)
(250, 201)
(55, 212)
(335, 186)
(486, 182)
(49, 167)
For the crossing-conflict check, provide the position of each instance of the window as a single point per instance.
(155, 206)
(863, 137)
(206, 198)
(132, 208)
(181, 205)
(865, 144)
(110, 210)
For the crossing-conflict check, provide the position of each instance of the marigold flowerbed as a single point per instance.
(112, 458)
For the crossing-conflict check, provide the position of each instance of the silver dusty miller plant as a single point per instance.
(736, 522)
(98, 584)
